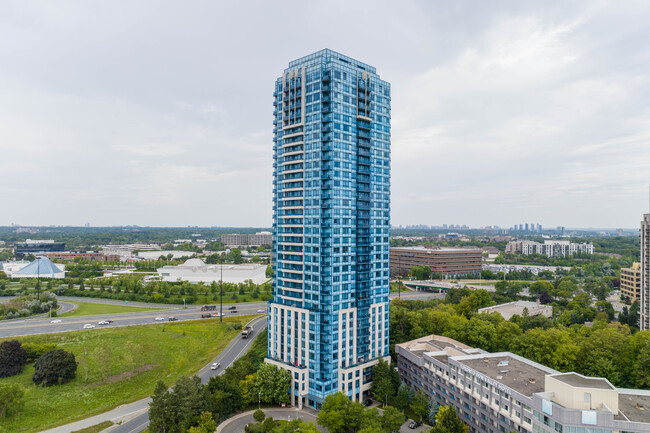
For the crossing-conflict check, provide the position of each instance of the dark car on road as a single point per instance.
(172, 319)
(232, 307)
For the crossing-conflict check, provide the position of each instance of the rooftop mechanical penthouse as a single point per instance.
(328, 320)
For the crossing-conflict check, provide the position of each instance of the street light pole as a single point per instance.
(38, 278)
(259, 400)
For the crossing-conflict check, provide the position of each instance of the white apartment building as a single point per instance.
(550, 248)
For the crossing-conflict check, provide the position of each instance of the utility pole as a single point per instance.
(221, 296)
(38, 278)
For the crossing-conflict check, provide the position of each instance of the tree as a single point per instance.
(403, 397)
(447, 421)
(272, 384)
(54, 368)
(392, 419)
(206, 424)
(433, 412)
(259, 415)
(12, 358)
(385, 382)
(643, 366)
(160, 410)
(539, 288)
(419, 404)
(339, 415)
(12, 399)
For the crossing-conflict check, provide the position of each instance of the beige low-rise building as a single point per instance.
(631, 283)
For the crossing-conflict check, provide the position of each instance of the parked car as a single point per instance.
(159, 318)
(172, 319)
(367, 402)
(215, 365)
(415, 424)
(88, 326)
(56, 321)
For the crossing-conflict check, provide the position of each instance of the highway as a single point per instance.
(44, 325)
(17, 328)
(133, 424)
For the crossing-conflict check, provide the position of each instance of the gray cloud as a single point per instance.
(159, 113)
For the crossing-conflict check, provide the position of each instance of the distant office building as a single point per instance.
(328, 320)
(450, 262)
(631, 282)
(36, 247)
(549, 248)
(196, 271)
(234, 240)
(125, 251)
(93, 256)
(511, 308)
(261, 238)
(504, 392)
(645, 273)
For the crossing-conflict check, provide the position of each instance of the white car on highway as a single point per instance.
(214, 366)
(159, 319)
(88, 326)
(56, 321)
(260, 311)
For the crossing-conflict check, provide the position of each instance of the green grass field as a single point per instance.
(117, 366)
(92, 309)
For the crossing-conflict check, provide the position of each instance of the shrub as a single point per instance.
(35, 351)
(12, 399)
(12, 358)
(54, 367)
(259, 415)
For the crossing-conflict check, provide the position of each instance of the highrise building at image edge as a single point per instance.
(328, 319)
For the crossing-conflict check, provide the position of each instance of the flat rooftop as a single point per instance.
(633, 407)
(576, 380)
(448, 249)
(511, 308)
(520, 376)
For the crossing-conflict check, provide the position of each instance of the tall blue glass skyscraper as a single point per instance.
(328, 320)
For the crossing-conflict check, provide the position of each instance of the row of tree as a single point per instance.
(604, 349)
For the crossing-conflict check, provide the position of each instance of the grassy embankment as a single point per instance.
(117, 366)
(92, 309)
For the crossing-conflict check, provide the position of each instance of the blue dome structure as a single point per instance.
(41, 267)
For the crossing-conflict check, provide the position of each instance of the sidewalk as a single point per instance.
(120, 413)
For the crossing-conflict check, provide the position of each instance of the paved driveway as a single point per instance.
(237, 423)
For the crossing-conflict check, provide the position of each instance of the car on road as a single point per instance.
(215, 365)
(172, 319)
(367, 402)
(103, 322)
(216, 315)
(159, 319)
(56, 321)
(88, 326)
(260, 311)
(415, 424)
(232, 307)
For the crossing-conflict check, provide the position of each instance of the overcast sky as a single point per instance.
(160, 112)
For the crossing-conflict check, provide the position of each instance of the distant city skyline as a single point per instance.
(501, 112)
